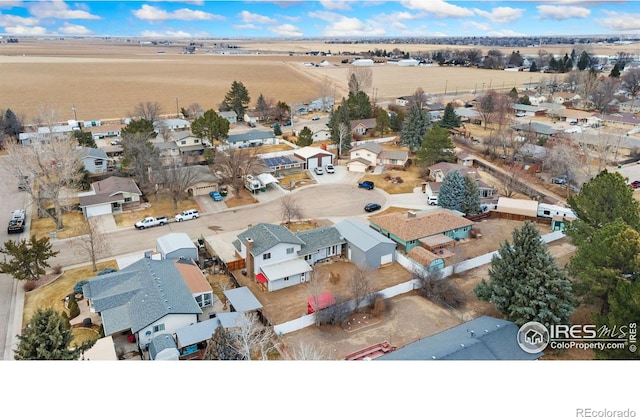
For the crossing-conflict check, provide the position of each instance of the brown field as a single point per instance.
(106, 80)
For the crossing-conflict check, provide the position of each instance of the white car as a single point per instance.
(318, 170)
(187, 215)
(329, 168)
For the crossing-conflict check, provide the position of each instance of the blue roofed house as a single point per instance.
(163, 348)
(320, 244)
(146, 299)
(484, 338)
(253, 137)
(433, 229)
(231, 116)
(94, 160)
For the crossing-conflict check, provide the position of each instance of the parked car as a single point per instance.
(151, 222)
(433, 200)
(315, 117)
(318, 170)
(366, 185)
(521, 114)
(187, 215)
(560, 180)
(215, 195)
(372, 207)
(329, 168)
(635, 185)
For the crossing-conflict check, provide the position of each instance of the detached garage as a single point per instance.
(176, 246)
(516, 209)
(365, 246)
(314, 157)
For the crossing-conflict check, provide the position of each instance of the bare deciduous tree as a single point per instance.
(177, 178)
(253, 339)
(54, 164)
(291, 209)
(326, 90)
(420, 98)
(234, 164)
(147, 110)
(93, 241)
(307, 352)
(442, 291)
(363, 77)
(195, 110)
(361, 285)
(631, 81)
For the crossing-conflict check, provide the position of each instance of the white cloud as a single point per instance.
(248, 17)
(326, 16)
(562, 12)
(438, 8)
(501, 14)
(69, 29)
(9, 20)
(399, 26)
(505, 32)
(287, 30)
(246, 26)
(620, 21)
(351, 26)
(480, 26)
(8, 4)
(25, 30)
(152, 13)
(59, 10)
(335, 5)
(166, 34)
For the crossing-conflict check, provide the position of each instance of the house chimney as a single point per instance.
(411, 214)
(249, 258)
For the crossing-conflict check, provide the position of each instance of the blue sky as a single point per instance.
(322, 18)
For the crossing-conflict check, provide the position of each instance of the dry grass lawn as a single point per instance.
(74, 225)
(53, 294)
(410, 180)
(243, 198)
(273, 148)
(298, 179)
(162, 206)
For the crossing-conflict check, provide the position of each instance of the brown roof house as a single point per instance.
(111, 195)
(433, 229)
(363, 127)
(371, 154)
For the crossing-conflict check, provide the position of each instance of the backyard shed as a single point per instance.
(176, 246)
(516, 208)
(316, 303)
(163, 348)
(365, 246)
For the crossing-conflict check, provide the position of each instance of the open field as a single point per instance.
(105, 80)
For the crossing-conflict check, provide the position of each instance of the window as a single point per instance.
(286, 278)
(266, 256)
(127, 199)
(289, 251)
(196, 141)
(183, 142)
(307, 257)
(98, 162)
(158, 328)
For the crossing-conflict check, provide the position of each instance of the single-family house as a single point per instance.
(535, 129)
(253, 137)
(565, 98)
(45, 134)
(364, 155)
(465, 159)
(313, 157)
(407, 230)
(365, 246)
(320, 244)
(94, 160)
(322, 104)
(105, 131)
(171, 125)
(176, 246)
(528, 110)
(231, 116)
(363, 127)
(483, 338)
(271, 256)
(111, 195)
(147, 298)
(280, 164)
(188, 143)
(405, 101)
(321, 135)
(468, 115)
(167, 150)
(393, 158)
(438, 171)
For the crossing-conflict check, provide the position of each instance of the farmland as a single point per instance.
(106, 79)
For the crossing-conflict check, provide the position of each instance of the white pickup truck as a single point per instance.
(151, 222)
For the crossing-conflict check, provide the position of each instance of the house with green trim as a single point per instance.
(432, 229)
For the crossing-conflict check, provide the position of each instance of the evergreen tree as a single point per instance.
(140, 127)
(513, 94)
(277, 129)
(237, 99)
(449, 118)
(28, 258)
(533, 67)
(211, 126)
(452, 191)
(222, 346)
(414, 128)
(602, 200)
(436, 147)
(615, 71)
(525, 283)
(305, 138)
(48, 336)
(383, 121)
(625, 309)
(397, 120)
(13, 126)
(471, 204)
(262, 106)
(525, 100)
(359, 106)
(84, 139)
(583, 61)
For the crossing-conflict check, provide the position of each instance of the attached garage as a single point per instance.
(365, 246)
(357, 165)
(314, 157)
(176, 246)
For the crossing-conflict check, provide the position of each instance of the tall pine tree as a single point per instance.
(525, 283)
(452, 191)
(237, 99)
(450, 119)
(436, 147)
(471, 203)
(414, 128)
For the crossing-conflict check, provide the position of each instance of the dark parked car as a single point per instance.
(635, 185)
(372, 207)
(366, 184)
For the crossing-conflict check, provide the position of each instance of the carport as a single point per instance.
(267, 179)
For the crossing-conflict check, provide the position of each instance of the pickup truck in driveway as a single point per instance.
(16, 224)
(151, 222)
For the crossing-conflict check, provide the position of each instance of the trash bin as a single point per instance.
(52, 235)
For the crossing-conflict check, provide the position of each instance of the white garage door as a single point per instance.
(386, 259)
(98, 210)
(312, 163)
(349, 253)
(326, 160)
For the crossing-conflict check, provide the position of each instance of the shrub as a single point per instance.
(441, 291)
(379, 305)
(106, 271)
(57, 269)
(399, 180)
(77, 288)
(74, 310)
(29, 286)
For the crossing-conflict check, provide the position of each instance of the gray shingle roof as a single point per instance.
(251, 135)
(140, 294)
(242, 299)
(361, 235)
(321, 237)
(196, 333)
(160, 343)
(265, 236)
(536, 127)
(95, 153)
(484, 338)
